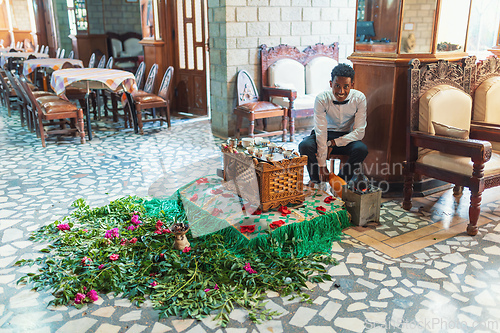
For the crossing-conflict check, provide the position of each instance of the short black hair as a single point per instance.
(343, 70)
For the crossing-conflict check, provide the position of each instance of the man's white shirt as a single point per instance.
(349, 117)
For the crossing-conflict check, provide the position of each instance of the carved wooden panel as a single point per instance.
(269, 55)
(485, 69)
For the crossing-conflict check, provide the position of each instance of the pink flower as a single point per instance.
(158, 231)
(112, 233)
(186, 249)
(123, 242)
(159, 224)
(114, 257)
(216, 287)
(63, 226)
(202, 181)
(133, 240)
(249, 268)
(206, 290)
(85, 230)
(154, 283)
(166, 231)
(92, 295)
(101, 266)
(131, 227)
(135, 219)
(79, 298)
(86, 261)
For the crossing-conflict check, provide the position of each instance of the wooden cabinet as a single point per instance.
(382, 74)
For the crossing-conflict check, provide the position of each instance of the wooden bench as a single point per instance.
(292, 78)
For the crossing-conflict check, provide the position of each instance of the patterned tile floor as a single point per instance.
(414, 272)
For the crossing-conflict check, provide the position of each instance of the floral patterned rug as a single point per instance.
(211, 206)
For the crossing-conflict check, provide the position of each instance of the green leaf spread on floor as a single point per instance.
(87, 253)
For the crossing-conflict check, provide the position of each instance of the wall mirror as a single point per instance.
(452, 25)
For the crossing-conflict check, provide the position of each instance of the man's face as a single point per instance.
(341, 86)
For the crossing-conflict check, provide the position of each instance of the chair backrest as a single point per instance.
(486, 91)
(92, 61)
(58, 52)
(71, 54)
(439, 95)
(61, 54)
(165, 83)
(109, 64)
(31, 56)
(47, 49)
(150, 82)
(31, 101)
(139, 74)
(16, 85)
(37, 48)
(102, 62)
(67, 64)
(28, 45)
(247, 92)
(271, 55)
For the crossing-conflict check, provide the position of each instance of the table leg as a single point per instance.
(87, 113)
(131, 104)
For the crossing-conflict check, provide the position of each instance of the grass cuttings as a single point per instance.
(122, 248)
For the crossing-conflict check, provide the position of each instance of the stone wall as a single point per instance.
(238, 27)
(21, 17)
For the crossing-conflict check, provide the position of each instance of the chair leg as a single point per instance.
(408, 188)
(167, 109)
(284, 124)
(114, 105)
(251, 128)
(139, 121)
(457, 190)
(239, 121)
(42, 131)
(80, 125)
(474, 211)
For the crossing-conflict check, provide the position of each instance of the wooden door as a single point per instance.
(191, 57)
(50, 26)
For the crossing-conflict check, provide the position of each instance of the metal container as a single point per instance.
(363, 207)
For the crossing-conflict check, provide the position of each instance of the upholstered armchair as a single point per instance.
(485, 91)
(439, 131)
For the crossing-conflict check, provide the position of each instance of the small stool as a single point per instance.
(260, 110)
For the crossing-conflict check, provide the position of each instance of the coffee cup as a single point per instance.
(258, 153)
(247, 142)
(287, 153)
(272, 146)
(251, 150)
(258, 141)
(269, 157)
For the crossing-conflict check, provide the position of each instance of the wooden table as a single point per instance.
(94, 78)
(4, 56)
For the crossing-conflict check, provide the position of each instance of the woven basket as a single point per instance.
(278, 183)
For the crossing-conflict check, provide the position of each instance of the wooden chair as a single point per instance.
(102, 62)
(92, 61)
(292, 78)
(8, 93)
(149, 101)
(52, 108)
(61, 54)
(58, 52)
(115, 97)
(109, 64)
(71, 54)
(20, 98)
(251, 107)
(438, 127)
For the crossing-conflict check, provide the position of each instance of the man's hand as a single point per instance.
(324, 174)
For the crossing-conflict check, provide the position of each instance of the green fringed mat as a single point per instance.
(211, 208)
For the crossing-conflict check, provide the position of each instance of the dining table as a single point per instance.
(95, 79)
(4, 56)
(29, 66)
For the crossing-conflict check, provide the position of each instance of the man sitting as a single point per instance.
(339, 123)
